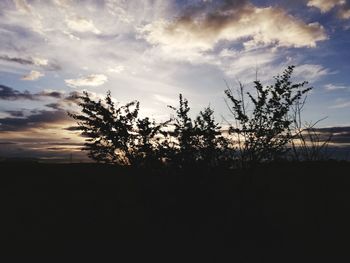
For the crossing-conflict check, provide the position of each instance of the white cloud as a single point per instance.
(80, 24)
(331, 87)
(40, 61)
(114, 8)
(259, 26)
(344, 13)
(325, 5)
(165, 100)
(341, 105)
(92, 80)
(227, 53)
(62, 3)
(116, 69)
(310, 72)
(33, 75)
(22, 6)
(168, 66)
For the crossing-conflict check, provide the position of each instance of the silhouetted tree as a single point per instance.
(199, 141)
(115, 134)
(149, 150)
(264, 132)
(211, 143)
(108, 128)
(185, 134)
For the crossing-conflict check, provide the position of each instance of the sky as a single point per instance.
(152, 50)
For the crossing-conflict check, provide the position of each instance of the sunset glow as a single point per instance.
(152, 50)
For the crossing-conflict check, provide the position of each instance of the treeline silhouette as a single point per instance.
(270, 129)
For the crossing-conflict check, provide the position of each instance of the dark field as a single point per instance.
(282, 213)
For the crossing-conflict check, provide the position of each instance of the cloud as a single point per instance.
(243, 64)
(41, 62)
(332, 87)
(80, 24)
(116, 69)
(37, 119)
(7, 93)
(22, 6)
(54, 105)
(325, 5)
(65, 100)
(340, 135)
(204, 26)
(22, 61)
(72, 128)
(8, 143)
(49, 93)
(92, 80)
(310, 72)
(343, 7)
(33, 75)
(15, 113)
(165, 100)
(344, 13)
(26, 119)
(341, 105)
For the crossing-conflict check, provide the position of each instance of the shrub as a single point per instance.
(199, 140)
(264, 132)
(114, 133)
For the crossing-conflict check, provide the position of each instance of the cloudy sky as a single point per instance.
(152, 50)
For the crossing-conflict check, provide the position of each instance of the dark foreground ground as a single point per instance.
(276, 213)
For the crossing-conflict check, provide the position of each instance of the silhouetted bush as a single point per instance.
(199, 141)
(266, 132)
(115, 134)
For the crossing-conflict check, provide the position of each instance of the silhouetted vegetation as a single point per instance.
(188, 189)
(265, 132)
(277, 212)
(108, 128)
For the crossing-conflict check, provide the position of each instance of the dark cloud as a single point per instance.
(72, 128)
(8, 143)
(73, 96)
(15, 113)
(39, 119)
(339, 135)
(335, 129)
(214, 15)
(67, 143)
(22, 152)
(53, 94)
(17, 60)
(65, 146)
(64, 100)
(55, 106)
(25, 119)
(7, 93)
(58, 148)
(53, 65)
